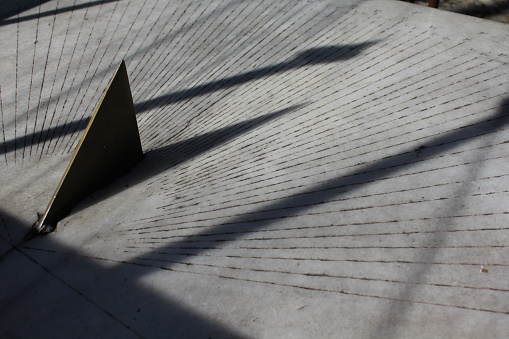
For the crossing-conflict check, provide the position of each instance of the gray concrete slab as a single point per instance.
(312, 169)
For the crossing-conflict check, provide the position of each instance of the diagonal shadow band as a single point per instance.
(26, 5)
(179, 152)
(166, 157)
(478, 9)
(330, 189)
(422, 273)
(11, 8)
(38, 138)
(483, 10)
(114, 286)
(313, 56)
(287, 207)
(120, 306)
(64, 129)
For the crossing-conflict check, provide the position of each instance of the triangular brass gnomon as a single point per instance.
(109, 147)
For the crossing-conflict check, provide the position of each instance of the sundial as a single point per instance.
(109, 147)
(311, 169)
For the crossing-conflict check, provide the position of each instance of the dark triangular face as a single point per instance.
(109, 147)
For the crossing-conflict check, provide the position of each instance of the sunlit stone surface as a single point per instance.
(313, 169)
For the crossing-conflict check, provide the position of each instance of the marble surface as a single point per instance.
(313, 169)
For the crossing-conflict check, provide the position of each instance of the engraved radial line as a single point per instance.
(227, 111)
(302, 286)
(358, 183)
(276, 176)
(42, 87)
(142, 64)
(146, 23)
(175, 41)
(342, 158)
(204, 74)
(3, 126)
(188, 263)
(50, 123)
(50, 136)
(149, 126)
(140, 231)
(190, 254)
(70, 136)
(251, 202)
(224, 275)
(25, 142)
(17, 90)
(194, 27)
(320, 236)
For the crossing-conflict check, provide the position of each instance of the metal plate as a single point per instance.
(109, 147)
